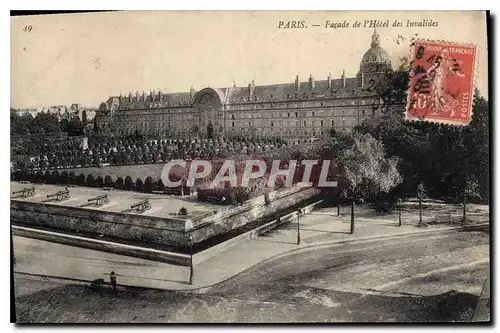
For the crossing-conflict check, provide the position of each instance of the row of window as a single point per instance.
(266, 123)
(282, 132)
(182, 117)
(305, 104)
(232, 132)
(280, 123)
(320, 113)
(282, 105)
(189, 114)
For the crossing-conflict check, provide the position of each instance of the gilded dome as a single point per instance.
(375, 55)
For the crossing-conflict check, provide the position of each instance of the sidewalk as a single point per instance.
(319, 228)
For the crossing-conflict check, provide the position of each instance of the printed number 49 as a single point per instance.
(27, 28)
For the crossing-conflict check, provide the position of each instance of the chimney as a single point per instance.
(130, 97)
(251, 88)
(297, 83)
(143, 95)
(191, 92)
(329, 80)
(312, 82)
(343, 78)
(159, 95)
(136, 95)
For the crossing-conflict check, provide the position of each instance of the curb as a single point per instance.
(326, 244)
(171, 258)
(305, 248)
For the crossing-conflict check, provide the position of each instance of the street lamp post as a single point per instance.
(298, 226)
(421, 195)
(352, 217)
(191, 271)
(399, 211)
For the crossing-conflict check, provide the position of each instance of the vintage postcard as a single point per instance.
(250, 167)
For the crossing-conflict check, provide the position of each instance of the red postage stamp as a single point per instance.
(442, 82)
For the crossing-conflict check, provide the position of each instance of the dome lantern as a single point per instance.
(375, 58)
(375, 39)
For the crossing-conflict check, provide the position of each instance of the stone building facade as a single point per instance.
(301, 109)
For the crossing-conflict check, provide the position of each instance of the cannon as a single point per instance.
(99, 200)
(27, 192)
(141, 206)
(60, 195)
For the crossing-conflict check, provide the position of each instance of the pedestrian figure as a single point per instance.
(112, 278)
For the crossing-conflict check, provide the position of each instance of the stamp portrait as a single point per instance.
(442, 82)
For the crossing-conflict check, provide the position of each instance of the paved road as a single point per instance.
(418, 278)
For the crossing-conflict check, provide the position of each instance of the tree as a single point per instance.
(74, 127)
(90, 181)
(54, 179)
(183, 211)
(471, 190)
(127, 185)
(99, 182)
(72, 177)
(477, 144)
(440, 155)
(80, 179)
(119, 183)
(421, 195)
(64, 178)
(39, 176)
(139, 185)
(366, 171)
(148, 185)
(108, 181)
(159, 185)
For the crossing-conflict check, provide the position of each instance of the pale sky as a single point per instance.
(85, 58)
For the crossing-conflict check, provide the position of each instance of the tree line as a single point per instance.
(44, 123)
(148, 185)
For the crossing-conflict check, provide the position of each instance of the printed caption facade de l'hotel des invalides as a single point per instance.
(288, 110)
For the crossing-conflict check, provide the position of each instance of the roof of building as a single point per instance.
(375, 54)
(310, 89)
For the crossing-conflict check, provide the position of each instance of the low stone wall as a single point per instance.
(150, 229)
(100, 245)
(232, 218)
(140, 228)
(214, 250)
